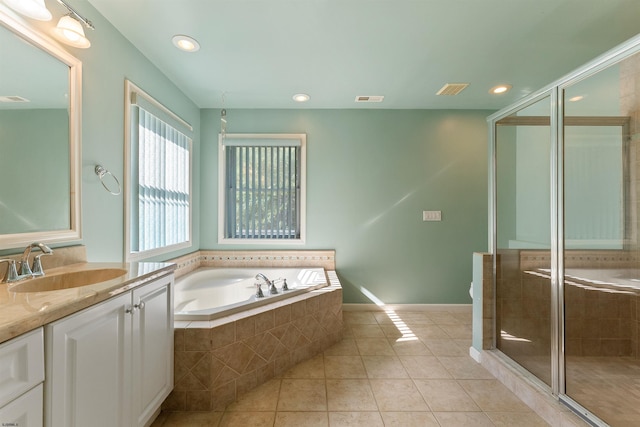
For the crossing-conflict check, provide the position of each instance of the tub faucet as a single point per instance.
(270, 286)
(259, 293)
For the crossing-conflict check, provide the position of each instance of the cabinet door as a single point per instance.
(25, 411)
(152, 347)
(88, 367)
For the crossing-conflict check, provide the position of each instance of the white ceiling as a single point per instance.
(259, 53)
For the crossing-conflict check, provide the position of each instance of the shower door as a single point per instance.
(601, 258)
(523, 237)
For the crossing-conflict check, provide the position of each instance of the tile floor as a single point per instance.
(391, 369)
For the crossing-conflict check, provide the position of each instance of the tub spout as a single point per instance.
(270, 286)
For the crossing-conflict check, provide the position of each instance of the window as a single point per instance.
(159, 178)
(262, 188)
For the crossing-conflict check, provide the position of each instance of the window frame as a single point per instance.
(297, 138)
(133, 92)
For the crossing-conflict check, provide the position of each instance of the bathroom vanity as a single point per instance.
(94, 354)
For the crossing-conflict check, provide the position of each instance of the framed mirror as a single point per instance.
(40, 130)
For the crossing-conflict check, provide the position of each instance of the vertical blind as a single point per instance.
(262, 191)
(163, 183)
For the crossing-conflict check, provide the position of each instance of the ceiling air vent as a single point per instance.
(13, 98)
(452, 88)
(376, 98)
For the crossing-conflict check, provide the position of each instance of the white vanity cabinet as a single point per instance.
(21, 376)
(111, 364)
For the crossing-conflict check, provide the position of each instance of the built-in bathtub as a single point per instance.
(210, 293)
(224, 350)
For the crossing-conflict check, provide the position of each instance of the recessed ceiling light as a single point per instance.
(186, 43)
(576, 98)
(301, 97)
(500, 89)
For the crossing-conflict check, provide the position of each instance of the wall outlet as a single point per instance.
(432, 215)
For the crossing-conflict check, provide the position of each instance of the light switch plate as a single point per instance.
(432, 215)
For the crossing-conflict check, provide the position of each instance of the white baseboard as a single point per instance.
(407, 307)
(475, 354)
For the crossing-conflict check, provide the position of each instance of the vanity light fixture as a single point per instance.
(34, 9)
(69, 31)
(500, 89)
(186, 43)
(301, 97)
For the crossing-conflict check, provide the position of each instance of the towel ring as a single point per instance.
(102, 172)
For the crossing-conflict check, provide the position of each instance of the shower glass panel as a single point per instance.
(601, 258)
(523, 233)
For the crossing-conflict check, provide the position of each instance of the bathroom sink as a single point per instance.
(67, 280)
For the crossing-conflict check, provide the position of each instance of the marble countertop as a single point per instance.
(21, 312)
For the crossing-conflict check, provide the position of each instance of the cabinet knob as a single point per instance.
(139, 306)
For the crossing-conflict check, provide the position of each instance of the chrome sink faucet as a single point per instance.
(36, 270)
(12, 273)
(25, 271)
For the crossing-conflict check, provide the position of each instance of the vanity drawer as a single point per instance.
(25, 411)
(21, 365)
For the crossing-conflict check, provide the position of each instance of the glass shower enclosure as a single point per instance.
(565, 217)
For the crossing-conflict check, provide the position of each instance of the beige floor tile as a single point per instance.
(463, 419)
(393, 332)
(520, 419)
(355, 419)
(424, 367)
(192, 419)
(261, 398)
(465, 368)
(312, 368)
(346, 347)
(446, 347)
(359, 318)
(465, 317)
(244, 419)
(299, 419)
(397, 395)
(411, 318)
(427, 332)
(350, 395)
(409, 347)
(409, 419)
(367, 331)
(302, 395)
(457, 331)
(374, 347)
(444, 318)
(344, 367)
(347, 332)
(385, 318)
(493, 396)
(384, 367)
(445, 395)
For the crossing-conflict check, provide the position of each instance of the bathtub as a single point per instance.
(211, 293)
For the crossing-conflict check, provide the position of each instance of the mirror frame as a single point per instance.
(16, 25)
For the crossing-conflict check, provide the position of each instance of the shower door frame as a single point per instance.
(555, 92)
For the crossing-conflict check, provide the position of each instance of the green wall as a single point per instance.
(370, 174)
(110, 59)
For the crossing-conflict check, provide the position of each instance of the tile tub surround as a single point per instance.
(218, 361)
(254, 259)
